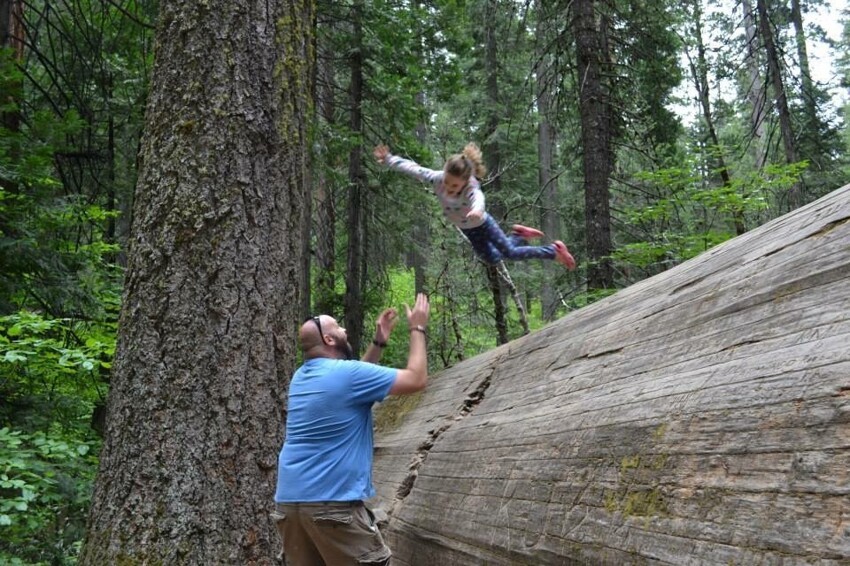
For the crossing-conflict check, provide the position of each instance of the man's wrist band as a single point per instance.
(379, 344)
(419, 328)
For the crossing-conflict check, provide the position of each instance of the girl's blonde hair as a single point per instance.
(467, 163)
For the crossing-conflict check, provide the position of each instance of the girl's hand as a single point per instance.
(475, 215)
(381, 152)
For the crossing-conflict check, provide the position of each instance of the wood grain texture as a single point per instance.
(698, 417)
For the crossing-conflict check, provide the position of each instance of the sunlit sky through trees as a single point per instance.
(830, 17)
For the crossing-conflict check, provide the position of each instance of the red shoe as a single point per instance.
(563, 255)
(525, 232)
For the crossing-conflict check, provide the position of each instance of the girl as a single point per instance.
(460, 196)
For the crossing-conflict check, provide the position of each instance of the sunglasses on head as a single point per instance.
(318, 322)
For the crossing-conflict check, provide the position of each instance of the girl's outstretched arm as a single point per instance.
(476, 200)
(382, 155)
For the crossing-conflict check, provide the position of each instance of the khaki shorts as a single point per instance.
(330, 534)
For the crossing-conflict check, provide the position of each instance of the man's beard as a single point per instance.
(345, 349)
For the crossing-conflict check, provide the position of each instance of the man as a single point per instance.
(325, 466)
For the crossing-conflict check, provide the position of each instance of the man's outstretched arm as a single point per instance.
(414, 377)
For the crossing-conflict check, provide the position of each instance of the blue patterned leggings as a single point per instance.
(492, 245)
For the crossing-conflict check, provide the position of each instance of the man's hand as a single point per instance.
(386, 323)
(381, 152)
(418, 316)
(414, 377)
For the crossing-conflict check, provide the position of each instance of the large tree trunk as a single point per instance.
(698, 417)
(353, 302)
(774, 69)
(206, 333)
(596, 134)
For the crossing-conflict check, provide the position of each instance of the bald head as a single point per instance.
(310, 336)
(322, 336)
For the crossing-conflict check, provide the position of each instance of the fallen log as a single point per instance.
(698, 417)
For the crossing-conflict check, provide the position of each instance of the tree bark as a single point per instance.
(596, 133)
(499, 312)
(207, 328)
(353, 302)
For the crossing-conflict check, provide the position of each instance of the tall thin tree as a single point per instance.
(807, 83)
(12, 37)
(206, 333)
(755, 87)
(593, 58)
(493, 155)
(774, 69)
(324, 225)
(550, 221)
(354, 272)
(699, 75)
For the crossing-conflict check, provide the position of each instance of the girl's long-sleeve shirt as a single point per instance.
(471, 198)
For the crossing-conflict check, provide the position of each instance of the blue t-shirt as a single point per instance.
(327, 453)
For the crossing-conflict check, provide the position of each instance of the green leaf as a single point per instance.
(13, 356)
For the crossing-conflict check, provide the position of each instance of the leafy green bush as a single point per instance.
(679, 216)
(45, 488)
(50, 381)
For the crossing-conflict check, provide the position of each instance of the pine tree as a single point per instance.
(206, 334)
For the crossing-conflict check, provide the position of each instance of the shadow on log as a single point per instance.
(699, 417)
